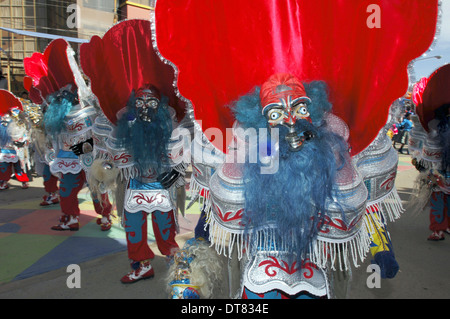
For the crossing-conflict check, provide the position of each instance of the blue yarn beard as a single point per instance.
(57, 110)
(5, 139)
(291, 198)
(146, 141)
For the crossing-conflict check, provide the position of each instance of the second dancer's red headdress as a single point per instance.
(122, 61)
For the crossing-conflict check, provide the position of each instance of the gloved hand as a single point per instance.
(19, 144)
(80, 148)
(167, 179)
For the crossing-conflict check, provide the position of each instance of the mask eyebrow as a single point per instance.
(302, 99)
(271, 106)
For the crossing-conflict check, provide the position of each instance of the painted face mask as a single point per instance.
(5, 119)
(284, 102)
(147, 102)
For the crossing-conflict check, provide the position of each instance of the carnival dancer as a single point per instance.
(144, 149)
(15, 135)
(298, 216)
(308, 168)
(100, 197)
(150, 193)
(41, 146)
(440, 203)
(68, 118)
(430, 145)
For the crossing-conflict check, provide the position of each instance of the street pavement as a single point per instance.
(423, 264)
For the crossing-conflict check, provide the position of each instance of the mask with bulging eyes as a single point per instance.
(284, 102)
(147, 102)
(5, 119)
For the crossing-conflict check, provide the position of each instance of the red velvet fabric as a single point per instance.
(418, 89)
(223, 48)
(49, 71)
(8, 101)
(33, 93)
(122, 61)
(435, 94)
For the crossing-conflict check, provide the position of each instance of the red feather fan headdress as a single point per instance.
(49, 72)
(8, 101)
(417, 92)
(224, 48)
(123, 61)
(435, 94)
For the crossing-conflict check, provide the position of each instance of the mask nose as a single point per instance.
(290, 120)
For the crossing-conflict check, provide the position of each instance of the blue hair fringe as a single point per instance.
(60, 105)
(5, 139)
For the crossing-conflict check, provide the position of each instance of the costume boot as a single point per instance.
(67, 222)
(105, 222)
(436, 236)
(144, 271)
(4, 185)
(50, 199)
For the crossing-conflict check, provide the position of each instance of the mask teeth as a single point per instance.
(144, 116)
(295, 141)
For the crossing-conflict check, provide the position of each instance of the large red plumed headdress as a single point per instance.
(417, 92)
(237, 45)
(49, 72)
(8, 101)
(123, 61)
(435, 94)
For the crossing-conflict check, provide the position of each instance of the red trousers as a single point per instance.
(103, 206)
(164, 229)
(69, 187)
(6, 170)
(439, 211)
(50, 180)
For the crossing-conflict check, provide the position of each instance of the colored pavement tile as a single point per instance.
(21, 251)
(404, 163)
(73, 250)
(29, 247)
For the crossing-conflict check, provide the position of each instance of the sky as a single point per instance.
(424, 67)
